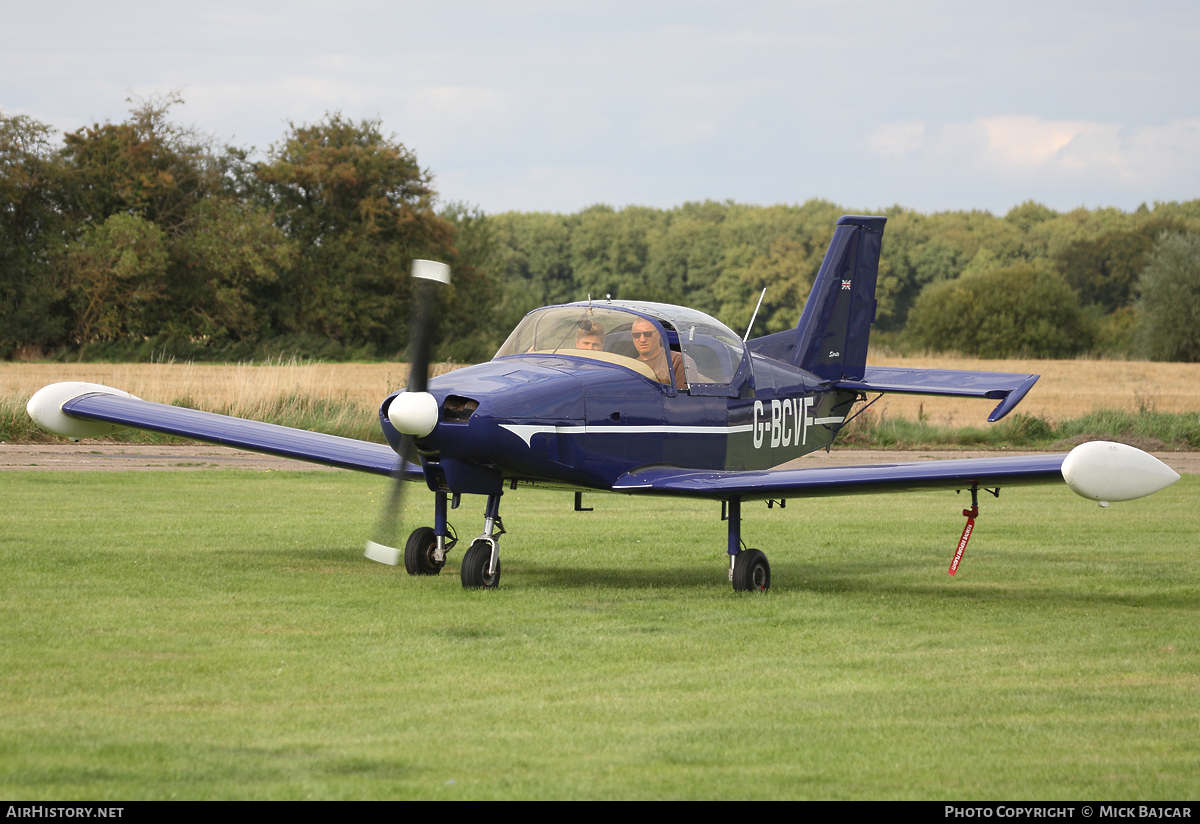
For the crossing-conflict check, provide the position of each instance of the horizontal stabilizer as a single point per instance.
(1008, 387)
(110, 406)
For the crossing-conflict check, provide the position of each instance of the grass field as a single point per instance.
(217, 634)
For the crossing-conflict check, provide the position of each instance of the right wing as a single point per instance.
(1099, 470)
(85, 410)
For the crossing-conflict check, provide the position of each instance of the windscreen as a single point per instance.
(595, 333)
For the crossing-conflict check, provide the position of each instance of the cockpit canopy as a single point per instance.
(711, 351)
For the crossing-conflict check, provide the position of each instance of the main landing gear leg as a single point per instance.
(748, 569)
(425, 552)
(481, 563)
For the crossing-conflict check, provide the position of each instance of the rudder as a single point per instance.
(831, 339)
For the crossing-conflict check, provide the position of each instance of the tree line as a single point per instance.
(144, 239)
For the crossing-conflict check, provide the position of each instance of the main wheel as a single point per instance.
(475, 567)
(418, 553)
(751, 571)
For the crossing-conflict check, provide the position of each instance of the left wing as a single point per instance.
(85, 410)
(1098, 470)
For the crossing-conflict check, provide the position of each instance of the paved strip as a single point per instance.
(109, 457)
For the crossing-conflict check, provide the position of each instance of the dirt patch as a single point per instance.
(107, 457)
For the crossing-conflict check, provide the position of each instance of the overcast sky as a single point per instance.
(553, 106)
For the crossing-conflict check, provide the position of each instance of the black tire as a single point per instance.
(475, 566)
(418, 553)
(751, 572)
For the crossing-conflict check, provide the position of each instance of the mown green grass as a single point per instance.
(217, 634)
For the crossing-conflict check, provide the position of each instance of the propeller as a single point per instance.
(414, 412)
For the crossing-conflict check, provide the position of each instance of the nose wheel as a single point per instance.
(481, 563)
(476, 567)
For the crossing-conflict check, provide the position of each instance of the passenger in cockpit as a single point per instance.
(650, 351)
(589, 335)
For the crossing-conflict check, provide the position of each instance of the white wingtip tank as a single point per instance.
(1105, 471)
(45, 408)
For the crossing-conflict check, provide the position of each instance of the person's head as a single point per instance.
(589, 335)
(645, 337)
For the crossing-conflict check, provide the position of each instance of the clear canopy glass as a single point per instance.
(709, 351)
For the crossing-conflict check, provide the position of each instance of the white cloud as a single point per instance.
(897, 139)
(1024, 141)
(1028, 148)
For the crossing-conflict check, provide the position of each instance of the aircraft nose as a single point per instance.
(413, 413)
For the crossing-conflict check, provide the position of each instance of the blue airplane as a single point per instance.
(643, 399)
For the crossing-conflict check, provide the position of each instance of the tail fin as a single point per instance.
(831, 338)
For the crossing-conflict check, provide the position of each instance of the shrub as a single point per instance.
(1017, 311)
(1170, 300)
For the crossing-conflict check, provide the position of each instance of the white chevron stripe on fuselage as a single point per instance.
(526, 431)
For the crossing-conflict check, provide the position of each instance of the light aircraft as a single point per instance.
(643, 399)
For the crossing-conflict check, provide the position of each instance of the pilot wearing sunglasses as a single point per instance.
(651, 352)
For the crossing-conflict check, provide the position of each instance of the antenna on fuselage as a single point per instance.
(755, 315)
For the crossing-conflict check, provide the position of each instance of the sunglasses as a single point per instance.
(644, 334)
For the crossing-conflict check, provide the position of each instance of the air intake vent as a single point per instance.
(457, 409)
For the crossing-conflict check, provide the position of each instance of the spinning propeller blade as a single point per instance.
(428, 274)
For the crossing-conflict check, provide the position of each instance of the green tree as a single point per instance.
(147, 166)
(610, 250)
(360, 209)
(532, 263)
(687, 255)
(1104, 269)
(467, 332)
(1170, 299)
(116, 278)
(29, 223)
(225, 270)
(1015, 311)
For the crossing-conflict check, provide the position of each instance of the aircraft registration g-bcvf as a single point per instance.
(643, 399)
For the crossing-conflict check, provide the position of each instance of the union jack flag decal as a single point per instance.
(845, 286)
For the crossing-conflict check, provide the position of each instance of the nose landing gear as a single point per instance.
(481, 563)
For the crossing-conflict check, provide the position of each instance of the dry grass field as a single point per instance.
(1068, 388)
(239, 389)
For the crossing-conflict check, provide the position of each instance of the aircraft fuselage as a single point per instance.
(574, 422)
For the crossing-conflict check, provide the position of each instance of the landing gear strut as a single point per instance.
(748, 569)
(481, 563)
(425, 552)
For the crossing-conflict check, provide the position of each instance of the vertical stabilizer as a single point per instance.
(831, 339)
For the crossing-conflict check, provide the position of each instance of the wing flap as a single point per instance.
(1008, 387)
(845, 480)
(254, 436)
